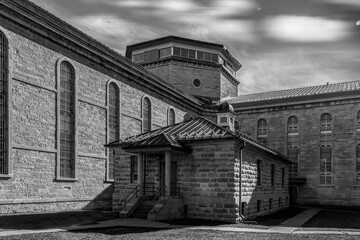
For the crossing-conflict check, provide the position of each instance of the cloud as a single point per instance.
(115, 31)
(305, 28)
(355, 3)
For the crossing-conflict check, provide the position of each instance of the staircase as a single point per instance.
(144, 207)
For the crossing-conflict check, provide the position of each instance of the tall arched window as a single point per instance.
(67, 120)
(114, 124)
(262, 131)
(293, 144)
(326, 138)
(171, 117)
(146, 115)
(4, 159)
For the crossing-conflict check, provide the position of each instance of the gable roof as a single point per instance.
(176, 135)
(285, 95)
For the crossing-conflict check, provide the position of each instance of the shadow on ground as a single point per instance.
(334, 219)
(52, 220)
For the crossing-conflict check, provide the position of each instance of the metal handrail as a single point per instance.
(160, 193)
(130, 196)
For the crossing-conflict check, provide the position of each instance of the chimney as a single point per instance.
(226, 116)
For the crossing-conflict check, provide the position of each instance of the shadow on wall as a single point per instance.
(103, 201)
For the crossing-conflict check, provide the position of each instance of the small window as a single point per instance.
(270, 203)
(176, 51)
(133, 169)
(196, 83)
(223, 119)
(279, 202)
(138, 57)
(282, 176)
(272, 174)
(325, 165)
(192, 53)
(146, 114)
(214, 57)
(184, 52)
(165, 52)
(358, 157)
(358, 122)
(258, 206)
(200, 55)
(258, 167)
(171, 117)
(207, 56)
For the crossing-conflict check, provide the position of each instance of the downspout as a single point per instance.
(240, 182)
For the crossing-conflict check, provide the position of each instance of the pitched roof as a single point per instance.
(176, 135)
(194, 129)
(283, 95)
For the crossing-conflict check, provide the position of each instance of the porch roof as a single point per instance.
(175, 136)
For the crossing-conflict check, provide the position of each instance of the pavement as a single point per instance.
(290, 226)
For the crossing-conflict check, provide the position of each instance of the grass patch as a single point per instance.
(334, 219)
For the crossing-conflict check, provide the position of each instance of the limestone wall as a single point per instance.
(33, 186)
(344, 189)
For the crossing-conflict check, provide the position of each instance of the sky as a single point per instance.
(281, 44)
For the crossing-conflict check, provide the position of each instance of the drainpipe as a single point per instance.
(240, 182)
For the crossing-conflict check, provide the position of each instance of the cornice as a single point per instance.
(45, 24)
(304, 101)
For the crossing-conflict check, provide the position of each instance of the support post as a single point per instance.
(167, 173)
(140, 171)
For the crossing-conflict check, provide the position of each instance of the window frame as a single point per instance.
(142, 114)
(170, 109)
(262, 138)
(8, 88)
(111, 151)
(58, 129)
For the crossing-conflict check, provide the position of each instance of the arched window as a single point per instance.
(146, 114)
(4, 149)
(171, 117)
(67, 120)
(114, 124)
(262, 131)
(293, 144)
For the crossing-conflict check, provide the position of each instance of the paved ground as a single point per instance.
(290, 226)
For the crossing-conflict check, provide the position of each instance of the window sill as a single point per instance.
(67, 179)
(6, 175)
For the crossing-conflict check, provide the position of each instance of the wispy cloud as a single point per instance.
(305, 28)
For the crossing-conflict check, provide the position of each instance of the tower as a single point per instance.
(200, 68)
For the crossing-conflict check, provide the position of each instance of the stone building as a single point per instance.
(66, 95)
(202, 169)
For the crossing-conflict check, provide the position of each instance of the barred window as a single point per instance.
(165, 52)
(326, 122)
(133, 169)
(293, 144)
(325, 165)
(4, 160)
(262, 131)
(114, 124)
(171, 116)
(146, 114)
(67, 120)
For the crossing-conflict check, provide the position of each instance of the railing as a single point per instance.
(130, 196)
(160, 193)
